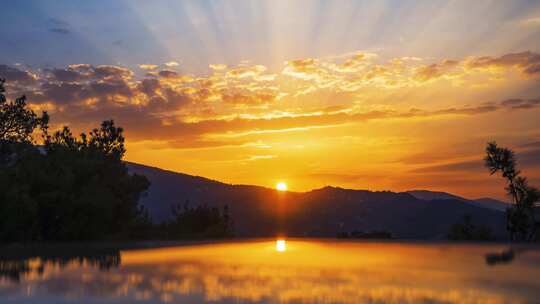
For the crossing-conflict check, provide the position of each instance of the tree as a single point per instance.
(71, 188)
(467, 231)
(17, 122)
(520, 217)
(200, 221)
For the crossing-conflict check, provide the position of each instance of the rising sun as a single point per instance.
(281, 186)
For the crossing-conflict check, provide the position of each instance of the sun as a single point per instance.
(281, 186)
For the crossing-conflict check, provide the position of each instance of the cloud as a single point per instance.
(171, 64)
(528, 62)
(148, 66)
(59, 30)
(518, 103)
(535, 144)
(306, 69)
(530, 22)
(58, 21)
(111, 72)
(80, 72)
(66, 75)
(435, 70)
(339, 177)
(245, 100)
(217, 67)
(12, 74)
(257, 98)
(246, 71)
(525, 159)
(61, 93)
(167, 73)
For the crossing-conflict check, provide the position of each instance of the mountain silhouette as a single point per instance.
(484, 202)
(259, 211)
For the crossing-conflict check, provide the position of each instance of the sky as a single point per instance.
(377, 95)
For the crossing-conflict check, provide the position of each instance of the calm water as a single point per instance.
(299, 271)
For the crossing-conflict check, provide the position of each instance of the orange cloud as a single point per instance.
(324, 104)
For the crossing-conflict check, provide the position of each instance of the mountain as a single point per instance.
(259, 211)
(434, 195)
(485, 202)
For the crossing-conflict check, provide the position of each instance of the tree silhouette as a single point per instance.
(78, 187)
(520, 217)
(17, 122)
(71, 188)
(200, 221)
(467, 231)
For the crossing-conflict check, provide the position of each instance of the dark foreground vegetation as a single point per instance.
(356, 234)
(78, 188)
(521, 221)
(468, 231)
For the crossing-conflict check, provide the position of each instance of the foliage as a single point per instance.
(467, 231)
(199, 221)
(69, 189)
(374, 234)
(520, 217)
(78, 188)
(17, 123)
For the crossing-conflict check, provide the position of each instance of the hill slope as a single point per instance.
(485, 202)
(259, 211)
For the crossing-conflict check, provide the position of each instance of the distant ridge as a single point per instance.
(434, 195)
(485, 202)
(491, 203)
(259, 211)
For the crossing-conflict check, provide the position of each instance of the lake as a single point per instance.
(266, 271)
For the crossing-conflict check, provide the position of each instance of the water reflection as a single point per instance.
(281, 246)
(307, 272)
(16, 263)
(506, 256)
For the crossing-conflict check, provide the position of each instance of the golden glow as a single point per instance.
(281, 186)
(311, 272)
(281, 245)
(382, 114)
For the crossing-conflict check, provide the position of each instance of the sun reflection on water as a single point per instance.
(281, 245)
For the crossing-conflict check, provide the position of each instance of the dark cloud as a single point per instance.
(529, 158)
(168, 74)
(111, 71)
(535, 144)
(79, 72)
(12, 74)
(59, 30)
(58, 21)
(466, 166)
(62, 93)
(66, 75)
(435, 70)
(518, 103)
(107, 88)
(469, 110)
(528, 61)
(526, 159)
(341, 178)
(149, 86)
